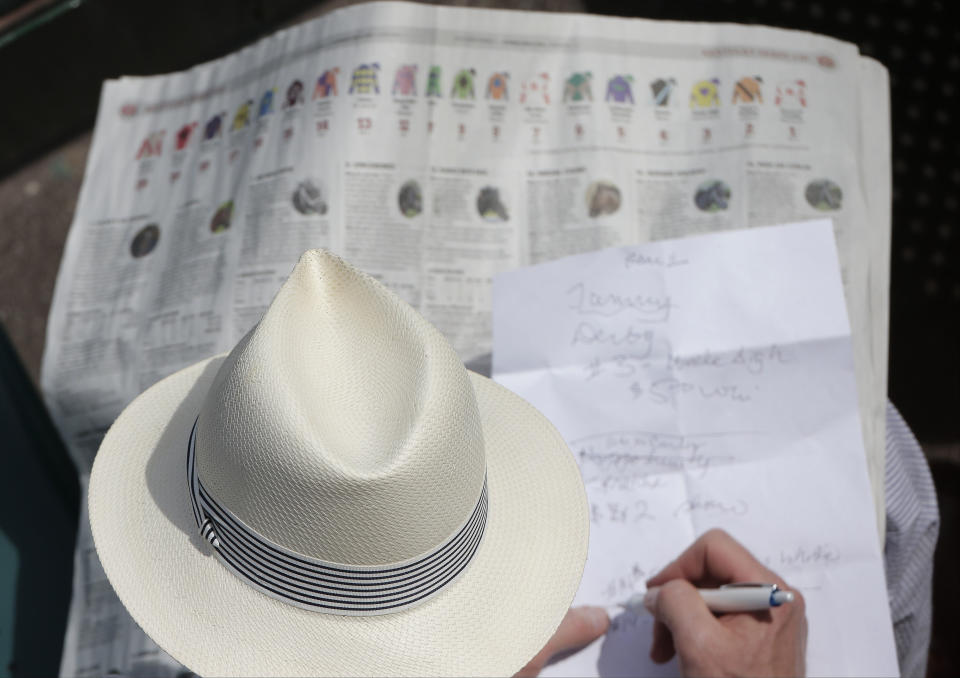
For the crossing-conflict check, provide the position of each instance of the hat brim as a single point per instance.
(490, 621)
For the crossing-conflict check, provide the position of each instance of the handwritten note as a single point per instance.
(707, 382)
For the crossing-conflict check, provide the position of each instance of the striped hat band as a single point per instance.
(333, 588)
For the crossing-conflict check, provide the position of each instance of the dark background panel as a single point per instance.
(39, 508)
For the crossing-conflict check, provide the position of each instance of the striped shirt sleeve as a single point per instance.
(913, 522)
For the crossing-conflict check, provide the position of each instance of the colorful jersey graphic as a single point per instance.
(536, 88)
(463, 84)
(364, 80)
(266, 103)
(184, 134)
(326, 84)
(404, 82)
(791, 94)
(433, 82)
(294, 94)
(152, 145)
(497, 86)
(662, 88)
(705, 94)
(577, 87)
(619, 89)
(242, 117)
(212, 129)
(748, 90)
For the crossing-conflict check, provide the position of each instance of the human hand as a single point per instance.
(768, 643)
(580, 627)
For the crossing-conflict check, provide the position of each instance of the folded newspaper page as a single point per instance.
(435, 147)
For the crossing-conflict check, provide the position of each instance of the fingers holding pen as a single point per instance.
(767, 642)
(716, 558)
(683, 624)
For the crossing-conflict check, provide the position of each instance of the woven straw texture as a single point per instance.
(490, 621)
(343, 402)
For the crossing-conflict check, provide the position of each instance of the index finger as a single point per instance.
(716, 558)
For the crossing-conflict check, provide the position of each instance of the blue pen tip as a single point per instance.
(778, 598)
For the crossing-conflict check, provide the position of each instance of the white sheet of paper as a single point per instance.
(707, 382)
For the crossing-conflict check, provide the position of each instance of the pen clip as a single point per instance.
(751, 585)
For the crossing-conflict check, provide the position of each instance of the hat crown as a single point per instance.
(343, 427)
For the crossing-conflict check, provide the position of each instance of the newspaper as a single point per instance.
(435, 147)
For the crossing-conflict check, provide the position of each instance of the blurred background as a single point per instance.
(54, 54)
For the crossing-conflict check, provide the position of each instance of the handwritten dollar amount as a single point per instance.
(644, 351)
(669, 391)
(620, 513)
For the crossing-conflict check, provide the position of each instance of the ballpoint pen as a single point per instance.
(743, 597)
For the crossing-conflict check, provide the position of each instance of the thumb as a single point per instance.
(580, 627)
(682, 610)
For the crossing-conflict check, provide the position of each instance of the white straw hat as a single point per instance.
(338, 495)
